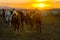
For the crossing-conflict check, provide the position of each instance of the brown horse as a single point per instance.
(15, 22)
(35, 18)
(3, 13)
(23, 19)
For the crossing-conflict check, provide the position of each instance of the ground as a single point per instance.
(50, 30)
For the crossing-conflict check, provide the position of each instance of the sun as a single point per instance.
(40, 5)
(41, 0)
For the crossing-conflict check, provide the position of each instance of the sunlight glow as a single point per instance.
(41, 0)
(41, 5)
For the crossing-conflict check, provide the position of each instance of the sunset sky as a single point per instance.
(31, 3)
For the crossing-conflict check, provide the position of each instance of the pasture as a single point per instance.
(50, 30)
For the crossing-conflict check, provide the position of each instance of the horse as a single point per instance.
(3, 13)
(23, 19)
(34, 18)
(37, 20)
(15, 21)
(8, 17)
(29, 19)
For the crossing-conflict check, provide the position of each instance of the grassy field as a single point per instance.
(50, 30)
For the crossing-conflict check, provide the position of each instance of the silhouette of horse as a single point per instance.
(35, 18)
(15, 20)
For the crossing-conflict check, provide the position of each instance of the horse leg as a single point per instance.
(38, 27)
(6, 19)
(21, 26)
(31, 25)
(40, 24)
(15, 28)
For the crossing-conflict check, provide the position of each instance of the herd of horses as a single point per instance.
(16, 19)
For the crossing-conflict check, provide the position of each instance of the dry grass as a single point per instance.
(50, 31)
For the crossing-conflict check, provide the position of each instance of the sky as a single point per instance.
(25, 1)
(28, 3)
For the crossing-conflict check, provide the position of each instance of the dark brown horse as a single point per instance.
(3, 13)
(35, 18)
(22, 20)
(15, 22)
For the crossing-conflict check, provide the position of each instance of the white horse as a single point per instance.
(8, 17)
